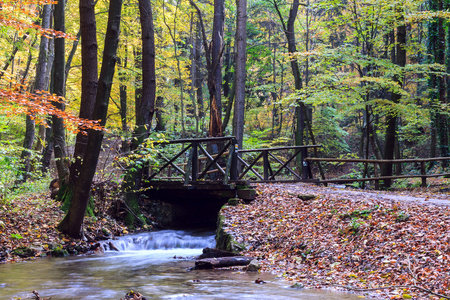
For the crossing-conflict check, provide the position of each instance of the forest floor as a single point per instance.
(389, 245)
(28, 230)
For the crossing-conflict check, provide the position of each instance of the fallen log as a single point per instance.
(222, 262)
(214, 253)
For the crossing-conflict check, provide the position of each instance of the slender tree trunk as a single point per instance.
(391, 116)
(39, 85)
(215, 70)
(193, 72)
(145, 106)
(289, 31)
(160, 125)
(180, 78)
(198, 72)
(59, 134)
(240, 72)
(72, 223)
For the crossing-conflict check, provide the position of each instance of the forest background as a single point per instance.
(364, 79)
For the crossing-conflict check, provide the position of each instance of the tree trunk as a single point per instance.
(391, 116)
(240, 71)
(198, 73)
(289, 31)
(72, 223)
(160, 125)
(59, 134)
(215, 70)
(39, 85)
(145, 106)
(89, 79)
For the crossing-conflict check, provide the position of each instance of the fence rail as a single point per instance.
(376, 164)
(220, 159)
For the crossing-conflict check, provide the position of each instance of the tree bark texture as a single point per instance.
(39, 85)
(240, 71)
(89, 79)
(146, 107)
(215, 70)
(72, 223)
(59, 86)
(391, 117)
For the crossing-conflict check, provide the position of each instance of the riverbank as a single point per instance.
(28, 230)
(373, 245)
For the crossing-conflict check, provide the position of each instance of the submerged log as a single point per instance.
(222, 262)
(214, 252)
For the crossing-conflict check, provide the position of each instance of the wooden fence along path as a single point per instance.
(376, 165)
(219, 160)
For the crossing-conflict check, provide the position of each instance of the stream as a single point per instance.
(156, 264)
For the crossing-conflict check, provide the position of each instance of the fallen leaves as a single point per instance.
(28, 230)
(361, 242)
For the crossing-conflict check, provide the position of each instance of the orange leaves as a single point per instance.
(19, 15)
(39, 104)
(362, 241)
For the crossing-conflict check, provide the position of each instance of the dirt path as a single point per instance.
(416, 196)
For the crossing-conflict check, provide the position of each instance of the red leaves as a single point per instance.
(17, 100)
(361, 242)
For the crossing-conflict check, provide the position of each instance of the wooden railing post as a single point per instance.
(234, 152)
(266, 164)
(191, 172)
(305, 173)
(194, 159)
(423, 172)
(375, 174)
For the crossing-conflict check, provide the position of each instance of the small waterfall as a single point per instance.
(164, 240)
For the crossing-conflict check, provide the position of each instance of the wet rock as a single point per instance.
(233, 201)
(254, 266)
(297, 285)
(24, 252)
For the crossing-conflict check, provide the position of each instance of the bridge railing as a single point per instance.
(198, 160)
(275, 164)
(219, 159)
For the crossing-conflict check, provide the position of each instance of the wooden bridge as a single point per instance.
(195, 177)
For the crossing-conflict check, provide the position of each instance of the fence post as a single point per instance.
(192, 164)
(305, 173)
(423, 173)
(266, 164)
(194, 161)
(234, 152)
(375, 174)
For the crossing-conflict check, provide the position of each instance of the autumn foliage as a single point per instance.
(395, 249)
(18, 15)
(16, 100)
(15, 97)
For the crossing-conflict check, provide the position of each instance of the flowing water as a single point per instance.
(155, 264)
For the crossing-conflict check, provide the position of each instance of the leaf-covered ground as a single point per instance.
(28, 230)
(362, 242)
